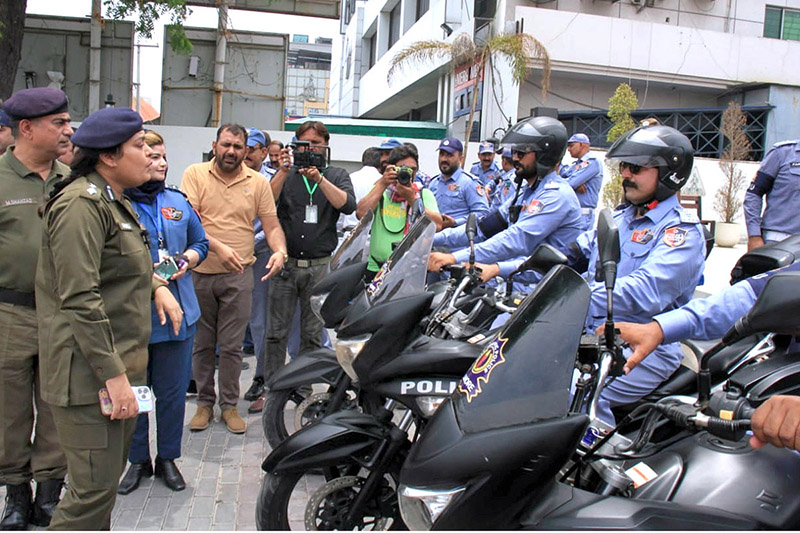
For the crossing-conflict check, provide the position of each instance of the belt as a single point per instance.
(308, 263)
(587, 210)
(772, 235)
(11, 296)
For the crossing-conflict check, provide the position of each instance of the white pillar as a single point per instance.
(94, 57)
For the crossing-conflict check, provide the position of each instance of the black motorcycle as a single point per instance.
(515, 448)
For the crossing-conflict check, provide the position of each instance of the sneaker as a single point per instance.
(256, 389)
(258, 405)
(202, 418)
(233, 420)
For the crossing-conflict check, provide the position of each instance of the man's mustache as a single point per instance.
(628, 184)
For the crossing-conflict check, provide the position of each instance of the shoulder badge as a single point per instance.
(535, 207)
(92, 189)
(171, 213)
(480, 189)
(675, 236)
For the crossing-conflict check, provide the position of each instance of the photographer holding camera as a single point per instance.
(392, 198)
(310, 197)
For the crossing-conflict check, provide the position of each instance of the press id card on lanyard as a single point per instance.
(312, 216)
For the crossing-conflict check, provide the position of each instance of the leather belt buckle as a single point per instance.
(303, 263)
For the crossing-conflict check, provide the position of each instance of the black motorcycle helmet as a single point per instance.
(544, 135)
(661, 147)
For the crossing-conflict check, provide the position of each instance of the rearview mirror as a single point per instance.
(608, 246)
(543, 259)
(775, 310)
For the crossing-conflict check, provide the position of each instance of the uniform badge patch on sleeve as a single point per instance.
(480, 189)
(535, 207)
(170, 213)
(675, 237)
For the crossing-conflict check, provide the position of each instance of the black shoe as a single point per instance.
(19, 501)
(192, 388)
(248, 349)
(130, 481)
(166, 469)
(256, 389)
(48, 493)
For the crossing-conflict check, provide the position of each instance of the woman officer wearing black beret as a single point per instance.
(93, 289)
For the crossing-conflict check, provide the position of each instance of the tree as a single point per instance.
(620, 105)
(12, 26)
(520, 49)
(728, 199)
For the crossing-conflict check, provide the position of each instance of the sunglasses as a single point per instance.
(635, 169)
(519, 153)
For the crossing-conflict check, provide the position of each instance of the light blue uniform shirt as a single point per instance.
(778, 178)
(588, 171)
(486, 176)
(550, 214)
(459, 195)
(662, 255)
(500, 192)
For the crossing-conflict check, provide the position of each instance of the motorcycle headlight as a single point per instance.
(317, 301)
(429, 404)
(421, 507)
(347, 351)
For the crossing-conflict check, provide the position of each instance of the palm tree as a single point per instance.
(520, 49)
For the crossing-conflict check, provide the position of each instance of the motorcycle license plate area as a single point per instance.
(524, 374)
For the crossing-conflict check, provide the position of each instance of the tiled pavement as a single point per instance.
(223, 473)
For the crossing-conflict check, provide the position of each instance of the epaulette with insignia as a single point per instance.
(177, 189)
(91, 191)
(551, 185)
(469, 175)
(687, 217)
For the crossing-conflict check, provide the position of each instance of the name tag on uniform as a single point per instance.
(311, 214)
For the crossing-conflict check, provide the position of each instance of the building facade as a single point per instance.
(685, 59)
(308, 77)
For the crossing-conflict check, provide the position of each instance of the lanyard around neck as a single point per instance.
(310, 190)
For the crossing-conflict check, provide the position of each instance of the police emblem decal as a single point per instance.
(170, 213)
(453, 187)
(480, 189)
(674, 237)
(377, 281)
(642, 236)
(488, 360)
(535, 207)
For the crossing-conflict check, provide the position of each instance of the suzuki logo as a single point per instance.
(427, 387)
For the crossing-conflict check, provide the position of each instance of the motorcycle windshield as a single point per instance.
(524, 374)
(354, 249)
(404, 273)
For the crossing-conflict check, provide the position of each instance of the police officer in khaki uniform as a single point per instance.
(93, 289)
(28, 171)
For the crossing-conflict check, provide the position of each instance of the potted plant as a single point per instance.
(729, 197)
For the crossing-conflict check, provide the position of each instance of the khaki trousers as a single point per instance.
(29, 446)
(225, 301)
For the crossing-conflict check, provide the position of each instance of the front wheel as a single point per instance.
(288, 411)
(296, 501)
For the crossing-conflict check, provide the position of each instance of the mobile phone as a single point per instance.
(166, 268)
(144, 398)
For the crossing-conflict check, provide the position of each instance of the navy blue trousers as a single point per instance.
(168, 372)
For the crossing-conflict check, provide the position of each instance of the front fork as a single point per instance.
(381, 461)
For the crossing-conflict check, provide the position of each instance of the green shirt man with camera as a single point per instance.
(392, 198)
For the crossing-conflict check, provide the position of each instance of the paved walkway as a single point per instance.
(222, 470)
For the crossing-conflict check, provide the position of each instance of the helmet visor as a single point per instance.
(641, 147)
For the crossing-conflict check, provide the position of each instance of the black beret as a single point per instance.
(37, 102)
(107, 128)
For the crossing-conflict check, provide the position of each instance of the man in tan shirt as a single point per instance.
(228, 196)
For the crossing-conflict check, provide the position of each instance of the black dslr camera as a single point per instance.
(304, 156)
(404, 175)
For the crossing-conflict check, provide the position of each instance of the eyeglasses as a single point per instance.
(520, 153)
(635, 169)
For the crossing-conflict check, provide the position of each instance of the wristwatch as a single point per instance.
(284, 254)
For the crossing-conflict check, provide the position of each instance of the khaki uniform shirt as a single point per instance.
(22, 191)
(228, 210)
(93, 291)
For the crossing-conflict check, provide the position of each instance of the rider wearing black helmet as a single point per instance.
(662, 251)
(544, 210)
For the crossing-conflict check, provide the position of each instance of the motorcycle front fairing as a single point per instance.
(506, 430)
(314, 366)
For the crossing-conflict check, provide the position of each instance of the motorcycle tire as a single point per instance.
(277, 497)
(274, 417)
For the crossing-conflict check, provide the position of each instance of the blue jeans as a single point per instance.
(168, 372)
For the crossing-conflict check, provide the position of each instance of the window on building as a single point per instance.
(782, 23)
(422, 8)
(372, 45)
(394, 24)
